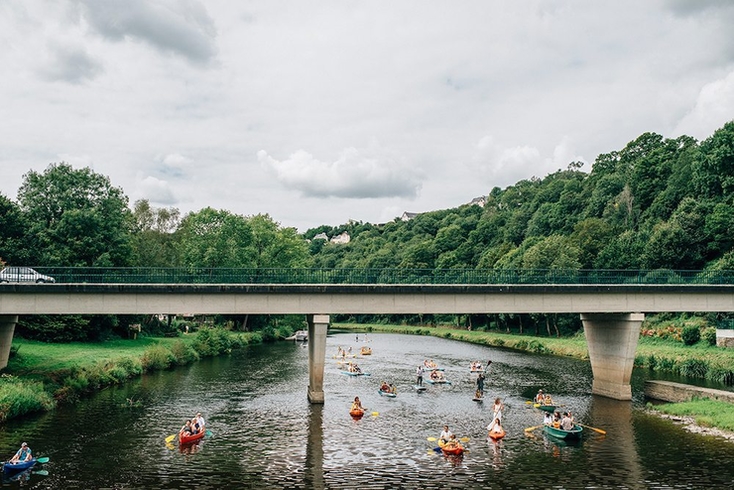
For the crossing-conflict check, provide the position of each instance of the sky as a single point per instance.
(317, 113)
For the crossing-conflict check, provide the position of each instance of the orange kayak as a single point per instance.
(496, 435)
(356, 413)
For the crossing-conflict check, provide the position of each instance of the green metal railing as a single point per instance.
(208, 275)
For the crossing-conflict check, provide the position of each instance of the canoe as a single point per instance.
(437, 381)
(365, 351)
(12, 468)
(496, 436)
(349, 373)
(546, 408)
(183, 439)
(476, 370)
(419, 388)
(567, 435)
(356, 413)
(387, 394)
(434, 369)
(480, 399)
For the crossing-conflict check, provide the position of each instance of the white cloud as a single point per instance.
(157, 191)
(713, 107)
(355, 174)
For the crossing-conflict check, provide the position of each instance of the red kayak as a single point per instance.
(356, 413)
(457, 449)
(496, 435)
(185, 439)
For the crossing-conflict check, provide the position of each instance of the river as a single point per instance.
(265, 434)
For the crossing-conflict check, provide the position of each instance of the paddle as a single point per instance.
(171, 438)
(44, 459)
(464, 439)
(530, 429)
(600, 431)
(40, 472)
(431, 439)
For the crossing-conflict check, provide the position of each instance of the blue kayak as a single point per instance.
(387, 394)
(16, 467)
(348, 373)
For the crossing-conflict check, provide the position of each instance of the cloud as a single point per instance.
(175, 165)
(507, 165)
(355, 174)
(694, 7)
(70, 64)
(180, 27)
(156, 191)
(713, 108)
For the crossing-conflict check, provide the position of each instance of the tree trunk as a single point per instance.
(520, 318)
(547, 325)
(555, 325)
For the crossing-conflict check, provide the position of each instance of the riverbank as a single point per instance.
(697, 361)
(41, 375)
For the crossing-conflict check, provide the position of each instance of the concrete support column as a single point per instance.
(317, 325)
(7, 327)
(612, 342)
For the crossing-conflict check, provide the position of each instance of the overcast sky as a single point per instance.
(324, 111)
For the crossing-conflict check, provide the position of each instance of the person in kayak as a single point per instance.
(419, 376)
(198, 423)
(187, 429)
(385, 387)
(357, 404)
(445, 435)
(23, 454)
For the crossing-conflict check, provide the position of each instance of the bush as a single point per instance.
(709, 336)
(184, 353)
(21, 397)
(156, 358)
(690, 335)
(694, 368)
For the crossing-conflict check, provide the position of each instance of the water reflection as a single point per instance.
(314, 477)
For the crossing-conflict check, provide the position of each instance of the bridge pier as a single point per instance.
(612, 342)
(7, 328)
(317, 325)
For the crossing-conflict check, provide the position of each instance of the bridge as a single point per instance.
(612, 304)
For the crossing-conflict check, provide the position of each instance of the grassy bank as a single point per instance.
(699, 361)
(704, 412)
(40, 375)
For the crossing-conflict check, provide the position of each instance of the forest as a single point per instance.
(655, 204)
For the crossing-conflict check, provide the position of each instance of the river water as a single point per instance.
(266, 435)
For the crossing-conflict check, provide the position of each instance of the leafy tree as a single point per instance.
(13, 248)
(211, 238)
(274, 246)
(154, 239)
(76, 217)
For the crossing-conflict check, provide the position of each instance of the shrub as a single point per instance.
(156, 358)
(690, 335)
(184, 353)
(694, 368)
(709, 336)
(133, 366)
(21, 397)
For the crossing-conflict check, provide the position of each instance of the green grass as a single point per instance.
(706, 413)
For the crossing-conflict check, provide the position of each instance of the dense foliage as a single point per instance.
(655, 204)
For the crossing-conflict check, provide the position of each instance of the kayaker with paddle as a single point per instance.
(446, 435)
(186, 430)
(495, 427)
(357, 404)
(198, 422)
(23, 454)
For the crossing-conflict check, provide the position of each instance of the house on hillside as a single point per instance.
(321, 236)
(408, 216)
(479, 201)
(341, 238)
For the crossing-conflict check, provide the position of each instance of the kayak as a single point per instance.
(349, 373)
(458, 449)
(478, 399)
(437, 381)
(419, 388)
(365, 351)
(567, 435)
(496, 436)
(356, 413)
(183, 439)
(20, 466)
(387, 394)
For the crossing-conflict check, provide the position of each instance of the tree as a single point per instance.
(13, 245)
(277, 247)
(211, 238)
(76, 217)
(153, 239)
